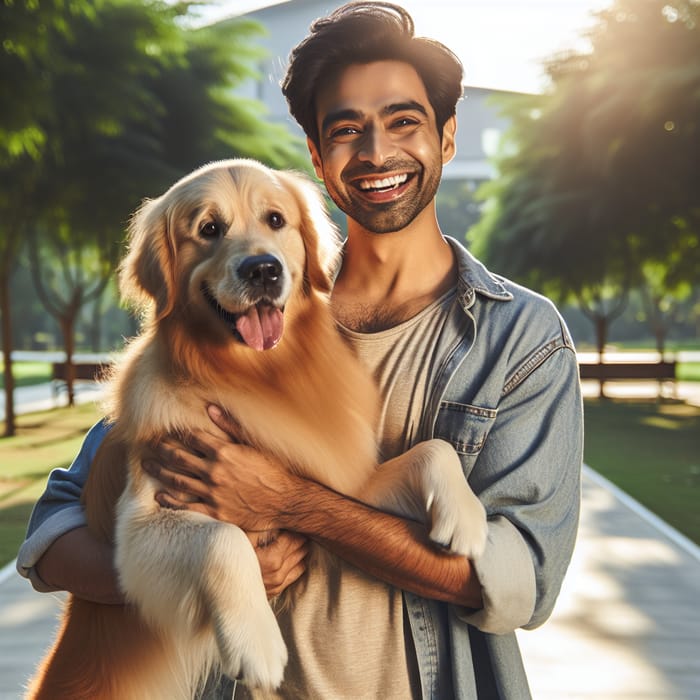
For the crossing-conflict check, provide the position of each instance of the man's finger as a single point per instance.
(292, 576)
(176, 456)
(224, 421)
(176, 481)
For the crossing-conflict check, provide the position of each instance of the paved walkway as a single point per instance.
(41, 397)
(627, 623)
(626, 627)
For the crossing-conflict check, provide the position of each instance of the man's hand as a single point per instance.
(282, 559)
(234, 483)
(220, 477)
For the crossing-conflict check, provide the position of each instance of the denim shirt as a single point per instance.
(507, 398)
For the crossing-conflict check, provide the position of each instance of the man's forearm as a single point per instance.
(83, 565)
(390, 548)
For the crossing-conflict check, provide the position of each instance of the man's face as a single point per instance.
(380, 153)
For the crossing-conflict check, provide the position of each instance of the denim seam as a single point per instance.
(532, 363)
(479, 411)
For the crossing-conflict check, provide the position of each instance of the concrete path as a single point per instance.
(626, 627)
(627, 622)
(27, 622)
(41, 397)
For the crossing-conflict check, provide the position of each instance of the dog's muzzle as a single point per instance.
(261, 325)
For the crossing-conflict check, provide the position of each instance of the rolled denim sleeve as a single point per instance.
(59, 509)
(528, 475)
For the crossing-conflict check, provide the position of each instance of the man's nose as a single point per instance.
(376, 146)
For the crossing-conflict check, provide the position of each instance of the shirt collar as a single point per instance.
(473, 277)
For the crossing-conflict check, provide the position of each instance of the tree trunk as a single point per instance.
(96, 324)
(6, 312)
(601, 336)
(660, 335)
(67, 323)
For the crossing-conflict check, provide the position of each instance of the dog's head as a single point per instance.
(228, 247)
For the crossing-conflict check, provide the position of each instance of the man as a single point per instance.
(458, 353)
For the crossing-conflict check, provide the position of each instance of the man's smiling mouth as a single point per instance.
(384, 184)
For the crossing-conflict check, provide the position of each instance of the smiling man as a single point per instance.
(380, 154)
(458, 354)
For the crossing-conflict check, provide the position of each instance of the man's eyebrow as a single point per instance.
(340, 115)
(355, 114)
(409, 106)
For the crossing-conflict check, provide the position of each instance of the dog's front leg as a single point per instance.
(196, 578)
(427, 484)
(247, 634)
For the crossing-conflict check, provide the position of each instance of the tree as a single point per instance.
(24, 57)
(457, 209)
(662, 295)
(601, 176)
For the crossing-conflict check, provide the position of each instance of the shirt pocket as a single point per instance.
(464, 426)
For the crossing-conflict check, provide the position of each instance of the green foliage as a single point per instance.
(600, 173)
(106, 102)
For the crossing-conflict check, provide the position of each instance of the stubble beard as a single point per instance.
(392, 216)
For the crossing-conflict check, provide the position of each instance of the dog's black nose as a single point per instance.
(261, 270)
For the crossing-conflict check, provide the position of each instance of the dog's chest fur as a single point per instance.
(314, 411)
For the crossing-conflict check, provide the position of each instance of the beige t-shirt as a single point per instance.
(344, 629)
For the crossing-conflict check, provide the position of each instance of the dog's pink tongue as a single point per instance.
(261, 327)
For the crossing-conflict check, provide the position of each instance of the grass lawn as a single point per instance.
(28, 373)
(688, 372)
(43, 441)
(650, 450)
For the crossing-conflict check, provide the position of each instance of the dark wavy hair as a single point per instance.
(363, 32)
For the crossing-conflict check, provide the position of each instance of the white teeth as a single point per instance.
(384, 183)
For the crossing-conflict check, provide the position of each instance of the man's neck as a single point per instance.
(388, 278)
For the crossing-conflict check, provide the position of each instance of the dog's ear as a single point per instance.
(146, 273)
(320, 234)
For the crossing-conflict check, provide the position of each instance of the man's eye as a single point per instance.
(211, 229)
(344, 131)
(405, 121)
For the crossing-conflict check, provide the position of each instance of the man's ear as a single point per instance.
(448, 146)
(315, 158)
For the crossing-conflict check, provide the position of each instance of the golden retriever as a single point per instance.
(232, 267)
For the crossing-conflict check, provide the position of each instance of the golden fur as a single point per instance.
(197, 599)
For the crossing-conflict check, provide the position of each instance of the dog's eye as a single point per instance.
(275, 219)
(211, 229)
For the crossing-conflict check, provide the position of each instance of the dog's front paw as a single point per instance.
(254, 650)
(458, 522)
(456, 517)
(264, 662)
